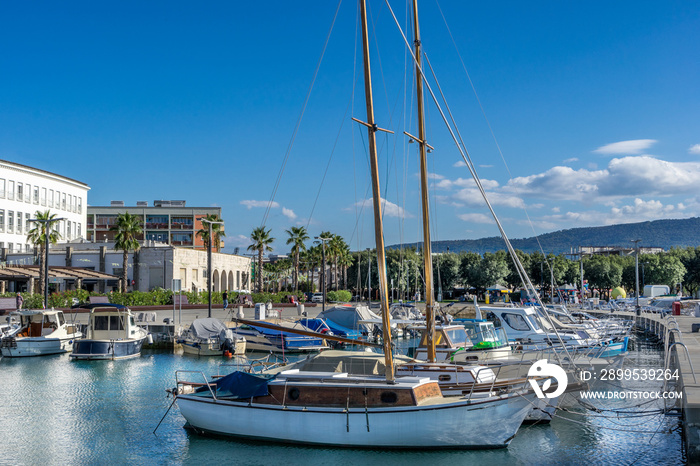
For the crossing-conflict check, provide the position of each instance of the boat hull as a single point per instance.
(40, 346)
(458, 424)
(106, 349)
(210, 349)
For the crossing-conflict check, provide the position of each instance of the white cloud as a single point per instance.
(635, 146)
(476, 218)
(572, 159)
(473, 198)
(626, 176)
(435, 176)
(240, 241)
(250, 204)
(289, 213)
(694, 149)
(485, 166)
(389, 209)
(459, 164)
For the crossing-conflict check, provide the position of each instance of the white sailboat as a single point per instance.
(340, 409)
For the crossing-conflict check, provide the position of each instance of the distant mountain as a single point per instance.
(659, 233)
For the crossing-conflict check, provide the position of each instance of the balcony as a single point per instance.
(181, 243)
(156, 226)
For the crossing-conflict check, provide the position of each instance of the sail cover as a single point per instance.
(207, 328)
(349, 316)
(241, 385)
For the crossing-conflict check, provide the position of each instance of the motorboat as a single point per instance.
(39, 333)
(112, 333)
(210, 337)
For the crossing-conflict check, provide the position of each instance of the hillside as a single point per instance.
(659, 233)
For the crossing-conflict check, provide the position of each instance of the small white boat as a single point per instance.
(112, 334)
(39, 333)
(210, 337)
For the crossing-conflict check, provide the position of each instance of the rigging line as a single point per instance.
(328, 164)
(488, 122)
(521, 273)
(300, 118)
(470, 166)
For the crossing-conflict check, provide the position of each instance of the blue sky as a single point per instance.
(595, 107)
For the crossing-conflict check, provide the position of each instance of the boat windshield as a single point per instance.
(516, 321)
(458, 336)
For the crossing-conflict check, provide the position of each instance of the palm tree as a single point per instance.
(37, 236)
(216, 229)
(337, 244)
(261, 243)
(127, 228)
(297, 236)
(345, 260)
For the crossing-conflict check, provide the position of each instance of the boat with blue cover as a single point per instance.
(112, 333)
(264, 339)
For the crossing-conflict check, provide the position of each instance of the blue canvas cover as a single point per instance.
(240, 385)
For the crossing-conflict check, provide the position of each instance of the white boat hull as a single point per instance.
(199, 348)
(40, 346)
(459, 424)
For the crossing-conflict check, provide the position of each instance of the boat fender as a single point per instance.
(150, 339)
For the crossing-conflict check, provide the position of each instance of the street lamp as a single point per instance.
(323, 259)
(47, 227)
(636, 273)
(210, 222)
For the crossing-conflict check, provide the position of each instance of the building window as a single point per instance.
(161, 237)
(10, 222)
(75, 203)
(19, 223)
(80, 233)
(2, 188)
(68, 230)
(58, 199)
(43, 196)
(10, 190)
(80, 205)
(27, 224)
(63, 201)
(181, 239)
(50, 197)
(2, 220)
(20, 192)
(36, 194)
(10, 246)
(157, 221)
(70, 203)
(27, 194)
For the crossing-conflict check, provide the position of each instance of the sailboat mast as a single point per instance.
(427, 250)
(378, 227)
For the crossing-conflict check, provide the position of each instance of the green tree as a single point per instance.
(37, 237)
(216, 230)
(445, 271)
(603, 273)
(297, 237)
(261, 242)
(127, 228)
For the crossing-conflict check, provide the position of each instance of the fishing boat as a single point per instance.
(39, 333)
(112, 333)
(342, 409)
(210, 337)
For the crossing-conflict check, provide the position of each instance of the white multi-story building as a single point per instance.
(25, 190)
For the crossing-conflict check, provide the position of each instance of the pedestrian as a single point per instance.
(20, 301)
(225, 296)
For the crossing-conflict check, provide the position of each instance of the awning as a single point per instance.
(26, 272)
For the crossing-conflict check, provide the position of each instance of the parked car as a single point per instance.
(317, 298)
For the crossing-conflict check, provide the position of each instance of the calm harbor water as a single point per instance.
(57, 411)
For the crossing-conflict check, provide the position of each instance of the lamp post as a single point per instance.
(210, 222)
(47, 227)
(636, 273)
(323, 270)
